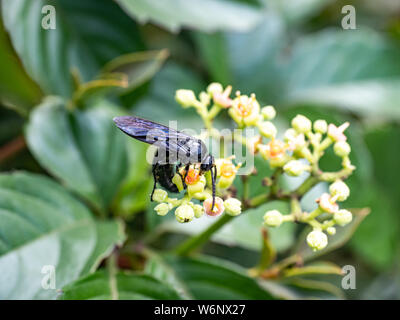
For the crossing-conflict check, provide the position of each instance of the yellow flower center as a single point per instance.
(192, 177)
(276, 148)
(228, 169)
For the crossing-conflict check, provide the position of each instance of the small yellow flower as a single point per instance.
(268, 112)
(342, 149)
(339, 190)
(160, 195)
(301, 124)
(343, 217)
(245, 110)
(226, 170)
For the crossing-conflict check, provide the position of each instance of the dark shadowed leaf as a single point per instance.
(88, 34)
(212, 278)
(121, 286)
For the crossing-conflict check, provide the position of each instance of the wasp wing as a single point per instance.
(178, 145)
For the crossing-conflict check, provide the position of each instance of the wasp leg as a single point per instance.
(186, 173)
(153, 170)
(213, 179)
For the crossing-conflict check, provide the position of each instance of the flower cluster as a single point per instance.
(296, 152)
(198, 187)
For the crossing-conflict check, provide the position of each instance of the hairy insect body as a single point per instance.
(163, 174)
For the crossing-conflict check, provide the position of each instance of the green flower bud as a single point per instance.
(197, 187)
(162, 209)
(160, 195)
(184, 213)
(339, 190)
(320, 126)
(273, 218)
(233, 206)
(342, 148)
(177, 180)
(317, 240)
(198, 210)
(267, 129)
(186, 98)
(301, 124)
(174, 201)
(268, 112)
(331, 231)
(294, 168)
(343, 217)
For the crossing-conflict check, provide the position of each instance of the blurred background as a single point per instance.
(293, 54)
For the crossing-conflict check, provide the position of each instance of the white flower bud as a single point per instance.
(233, 206)
(273, 218)
(320, 126)
(268, 112)
(215, 87)
(294, 168)
(186, 98)
(342, 148)
(317, 240)
(198, 210)
(160, 195)
(162, 209)
(339, 190)
(343, 217)
(331, 231)
(184, 213)
(290, 134)
(301, 124)
(267, 129)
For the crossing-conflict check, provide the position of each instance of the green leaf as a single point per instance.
(212, 278)
(84, 149)
(88, 34)
(123, 286)
(205, 15)
(342, 236)
(17, 90)
(323, 71)
(42, 224)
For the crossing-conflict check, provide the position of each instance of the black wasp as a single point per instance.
(174, 149)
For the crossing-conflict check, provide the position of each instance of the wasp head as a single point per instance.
(207, 163)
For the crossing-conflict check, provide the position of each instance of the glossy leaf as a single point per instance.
(206, 15)
(127, 286)
(84, 149)
(42, 226)
(88, 34)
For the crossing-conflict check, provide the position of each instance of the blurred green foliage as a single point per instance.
(60, 89)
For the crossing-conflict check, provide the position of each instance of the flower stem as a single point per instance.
(197, 241)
